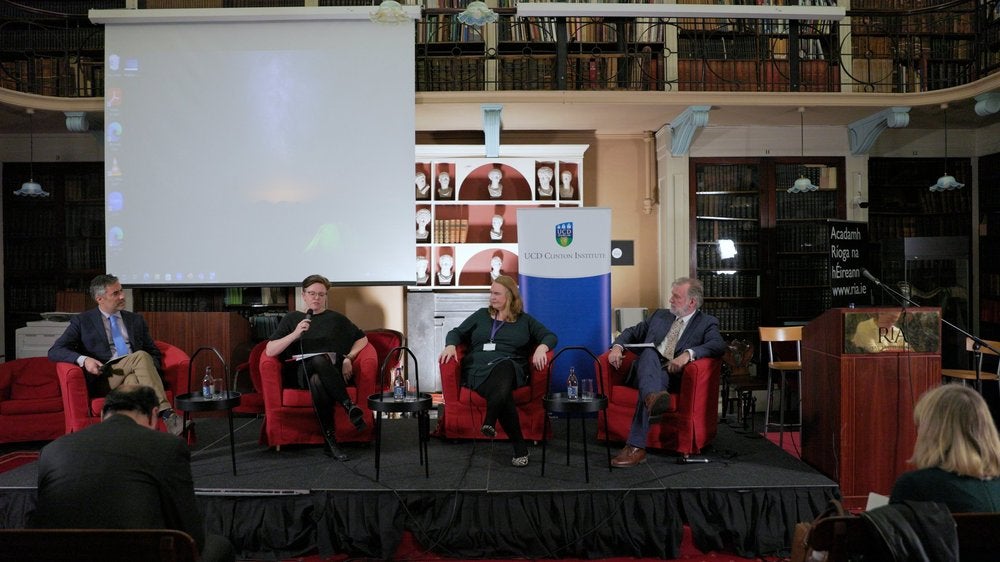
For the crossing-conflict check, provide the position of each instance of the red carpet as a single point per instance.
(792, 444)
(10, 461)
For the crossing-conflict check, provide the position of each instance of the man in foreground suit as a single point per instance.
(118, 474)
(678, 336)
(109, 333)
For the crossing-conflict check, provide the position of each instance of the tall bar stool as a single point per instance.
(770, 336)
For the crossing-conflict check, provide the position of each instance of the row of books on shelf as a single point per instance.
(736, 285)
(639, 71)
(814, 76)
(989, 311)
(710, 230)
(450, 231)
(806, 205)
(709, 257)
(727, 177)
(728, 206)
(450, 74)
(733, 318)
(803, 272)
(990, 284)
(65, 39)
(50, 76)
(39, 222)
(919, 200)
(897, 47)
(85, 222)
(445, 28)
(537, 72)
(175, 301)
(83, 187)
(883, 227)
(803, 237)
(85, 254)
(821, 175)
(804, 304)
(39, 297)
(32, 256)
(958, 21)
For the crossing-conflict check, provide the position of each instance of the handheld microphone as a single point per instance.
(868, 275)
(309, 314)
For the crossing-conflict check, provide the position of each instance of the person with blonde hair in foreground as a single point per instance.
(957, 453)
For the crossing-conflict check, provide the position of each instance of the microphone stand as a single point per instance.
(977, 343)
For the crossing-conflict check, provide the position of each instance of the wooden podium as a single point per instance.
(858, 394)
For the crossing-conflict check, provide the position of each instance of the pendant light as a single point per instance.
(31, 188)
(802, 184)
(477, 14)
(389, 11)
(946, 182)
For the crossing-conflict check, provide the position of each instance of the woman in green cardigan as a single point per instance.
(501, 339)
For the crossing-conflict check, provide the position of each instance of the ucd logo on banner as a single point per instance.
(564, 234)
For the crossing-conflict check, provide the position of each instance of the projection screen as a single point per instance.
(257, 146)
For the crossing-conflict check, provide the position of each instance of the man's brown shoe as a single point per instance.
(657, 403)
(629, 456)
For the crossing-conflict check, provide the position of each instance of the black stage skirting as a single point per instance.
(297, 501)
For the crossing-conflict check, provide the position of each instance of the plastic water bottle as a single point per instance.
(572, 385)
(398, 385)
(208, 384)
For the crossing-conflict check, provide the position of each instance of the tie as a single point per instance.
(116, 335)
(669, 344)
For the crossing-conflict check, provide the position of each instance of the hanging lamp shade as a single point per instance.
(803, 184)
(946, 182)
(31, 188)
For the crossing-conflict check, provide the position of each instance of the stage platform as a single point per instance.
(296, 501)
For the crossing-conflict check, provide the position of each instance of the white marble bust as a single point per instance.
(423, 189)
(423, 219)
(422, 265)
(545, 176)
(496, 262)
(495, 188)
(445, 272)
(496, 227)
(444, 184)
(566, 187)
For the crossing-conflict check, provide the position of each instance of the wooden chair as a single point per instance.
(771, 336)
(97, 545)
(970, 374)
(847, 536)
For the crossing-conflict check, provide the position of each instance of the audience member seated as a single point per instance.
(674, 338)
(120, 475)
(503, 343)
(957, 453)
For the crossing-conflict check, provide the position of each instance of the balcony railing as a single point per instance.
(875, 50)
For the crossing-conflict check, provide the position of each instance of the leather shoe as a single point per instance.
(357, 417)
(657, 403)
(629, 456)
(331, 449)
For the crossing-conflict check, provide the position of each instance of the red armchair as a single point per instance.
(288, 412)
(31, 408)
(690, 423)
(464, 409)
(82, 410)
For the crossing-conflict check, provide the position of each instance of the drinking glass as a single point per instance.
(587, 389)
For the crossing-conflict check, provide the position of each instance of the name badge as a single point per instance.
(489, 346)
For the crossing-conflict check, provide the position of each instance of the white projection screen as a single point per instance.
(252, 147)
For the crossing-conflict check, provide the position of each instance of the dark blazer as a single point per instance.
(117, 474)
(701, 335)
(86, 335)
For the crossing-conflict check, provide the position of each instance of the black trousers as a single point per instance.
(498, 391)
(327, 387)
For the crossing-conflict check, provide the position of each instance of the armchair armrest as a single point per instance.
(451, 376)
(700, 385)
(611, 376)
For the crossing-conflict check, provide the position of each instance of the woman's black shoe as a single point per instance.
(356, 415)
(488, 430)
(332, 450)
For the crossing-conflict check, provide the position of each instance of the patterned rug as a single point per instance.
(10, 461)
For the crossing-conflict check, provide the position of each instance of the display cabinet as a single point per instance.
(465, 207)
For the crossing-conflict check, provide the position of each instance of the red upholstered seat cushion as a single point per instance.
(298, 398)
(31, 406)
(29, 383)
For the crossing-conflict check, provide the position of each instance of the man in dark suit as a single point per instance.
(113, 347)
(678, 336)
(118, 474)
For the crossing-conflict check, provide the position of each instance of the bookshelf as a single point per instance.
(759, 250)
(52, 245)
(757, 55)
(465, 221)
(899, 46)
(53, 50)
(989, 247)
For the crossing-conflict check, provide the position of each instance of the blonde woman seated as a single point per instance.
(957, 454)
